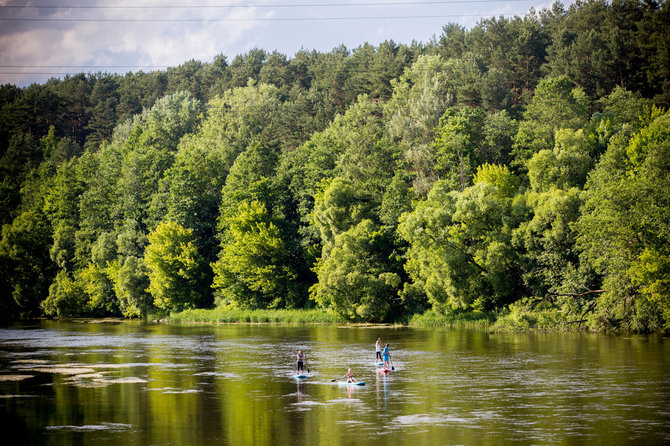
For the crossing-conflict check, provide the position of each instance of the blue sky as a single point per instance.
(40, 39)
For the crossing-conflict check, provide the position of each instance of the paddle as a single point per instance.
(306, 364)
(392, 368)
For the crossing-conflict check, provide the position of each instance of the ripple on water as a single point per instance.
(353, 422)
(173, 390)
(432, 419)
(217, 374)
(306, 405)
(112, 427)
(127, 380)
(183, 391)
(30, 361)
(64, 370)
(345, 401)
(14, 377)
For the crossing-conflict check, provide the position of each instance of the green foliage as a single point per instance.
(546, 240)
(380, 177)
(397, 199)
(624, 226)
(357, 280)
(498, 176)
(420, 97)
(460, 251)
(457, 144)
(368, 159)
(601, 45)
(61, 207)
(249, 179)
(239, 117)
(651, 273)
(66, 297)
(24, 249)
(353, 147)
(515, 51)
(130, 277)
(104, 250)
(499, 131)
(174, 268)
(99, 289)
(566, 166)
(624, 107)
(150, 151)
(254, 269)
(526, 314)
(338, 207)
(557, 104)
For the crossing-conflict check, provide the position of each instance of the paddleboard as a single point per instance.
(300, 376)
(386, 370)
(380, 363)
(344, 383)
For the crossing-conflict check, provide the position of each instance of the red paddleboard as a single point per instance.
(386, 370)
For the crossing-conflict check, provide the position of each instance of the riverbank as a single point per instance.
(317, 316)
(478, 319)
(221, 316)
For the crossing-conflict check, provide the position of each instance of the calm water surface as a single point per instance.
(136, 384)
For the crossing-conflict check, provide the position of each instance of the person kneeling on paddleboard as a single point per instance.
(301, 356)
(351, 378)
(387, 356)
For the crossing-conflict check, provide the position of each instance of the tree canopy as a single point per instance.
(517, 167)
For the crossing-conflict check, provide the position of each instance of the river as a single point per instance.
(130, 383)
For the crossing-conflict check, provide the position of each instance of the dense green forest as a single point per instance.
(520, 168)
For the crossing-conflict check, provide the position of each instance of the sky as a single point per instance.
(42, 39)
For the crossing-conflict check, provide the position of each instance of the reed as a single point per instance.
(479, 319)
(221, 315)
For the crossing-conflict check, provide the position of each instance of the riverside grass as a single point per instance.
(319, 316)
(476, 319)
(221, 315)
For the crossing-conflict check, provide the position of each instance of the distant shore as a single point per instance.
(318, 316)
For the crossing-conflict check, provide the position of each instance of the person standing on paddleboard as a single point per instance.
(300, 357)
(387, 356)
(378, 348)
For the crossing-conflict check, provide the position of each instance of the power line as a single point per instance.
(85, 66)
(260, 19)
(296, 5)
(44, 73)
(40, 73)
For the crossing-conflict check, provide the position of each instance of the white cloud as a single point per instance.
(84, 43)
(109, 43)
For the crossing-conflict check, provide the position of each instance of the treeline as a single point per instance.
(520, 167)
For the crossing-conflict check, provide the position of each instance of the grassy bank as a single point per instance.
(219, 315)
(471, 319)
(317, 316)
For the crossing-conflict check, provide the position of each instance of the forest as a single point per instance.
(519, 168)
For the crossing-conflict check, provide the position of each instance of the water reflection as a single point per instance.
(129, 383)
